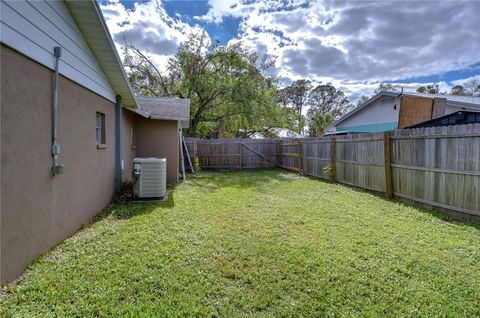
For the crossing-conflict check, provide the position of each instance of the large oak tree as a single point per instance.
(228, 86)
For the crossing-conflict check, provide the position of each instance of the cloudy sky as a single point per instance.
(351, 44)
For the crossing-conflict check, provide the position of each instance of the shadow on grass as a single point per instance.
(445, 215)
(131, 209)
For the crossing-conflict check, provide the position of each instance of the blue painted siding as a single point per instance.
(370, 127)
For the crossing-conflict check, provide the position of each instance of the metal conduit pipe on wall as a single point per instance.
(56, 168)
(118, 143)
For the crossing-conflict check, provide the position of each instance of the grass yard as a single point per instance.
(264, 243)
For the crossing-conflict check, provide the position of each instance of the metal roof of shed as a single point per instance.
(451, 99)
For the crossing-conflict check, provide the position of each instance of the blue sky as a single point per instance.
(186, 10)
(353, 45)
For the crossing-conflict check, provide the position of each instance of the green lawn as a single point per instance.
(265, 243)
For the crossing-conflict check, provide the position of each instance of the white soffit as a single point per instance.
(90, 20)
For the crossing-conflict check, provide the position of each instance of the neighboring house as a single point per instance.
(278, 133)
(391, 110)
(49, 191)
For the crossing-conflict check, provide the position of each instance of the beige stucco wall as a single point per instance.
(128, 149)
(152, 138)
(159, 138)
(37, 209)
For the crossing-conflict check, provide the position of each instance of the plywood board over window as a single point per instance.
(414, 110)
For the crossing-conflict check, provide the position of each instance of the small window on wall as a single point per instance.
(132, 137)
(100, 129)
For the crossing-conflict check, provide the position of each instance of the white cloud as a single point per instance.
(353, 45)
(240, 8)
(461, 81)
(346, 43)
(360, 40)
(148, 27)
(221, 8)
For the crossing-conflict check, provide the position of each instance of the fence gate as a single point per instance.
(291, 156)
(237, 154)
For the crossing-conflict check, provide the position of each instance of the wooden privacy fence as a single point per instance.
(438, 166)
(357, 160)
(191, 144)
(237, 153)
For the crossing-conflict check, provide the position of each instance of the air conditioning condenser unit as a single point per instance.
(151, 174)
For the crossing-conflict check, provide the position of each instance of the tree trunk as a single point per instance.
(193, 128)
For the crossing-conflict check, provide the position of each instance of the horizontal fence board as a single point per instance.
(472, 173)
(359, 140)
(435, 137)
(362, 163)
(313, 158)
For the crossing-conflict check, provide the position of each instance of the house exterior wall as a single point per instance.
(34, 28)
(39, 210)
(159, 138)
(378, 116)
(129, 148)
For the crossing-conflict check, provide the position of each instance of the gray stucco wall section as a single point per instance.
(38, 210)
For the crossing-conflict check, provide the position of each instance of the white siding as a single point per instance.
(35, 28)
(455, 108)
(378, 112)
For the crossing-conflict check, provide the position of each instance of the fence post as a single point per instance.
(333, 159)
(195, 155)
(300, 157)
(241, 155)
(278, 152)
(387, 146)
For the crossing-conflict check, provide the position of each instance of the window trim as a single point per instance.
(100, 129)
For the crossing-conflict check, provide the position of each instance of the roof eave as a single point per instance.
(139, 111)
(462, 104)
(148, 115)
(90, 20)
(168, 118)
